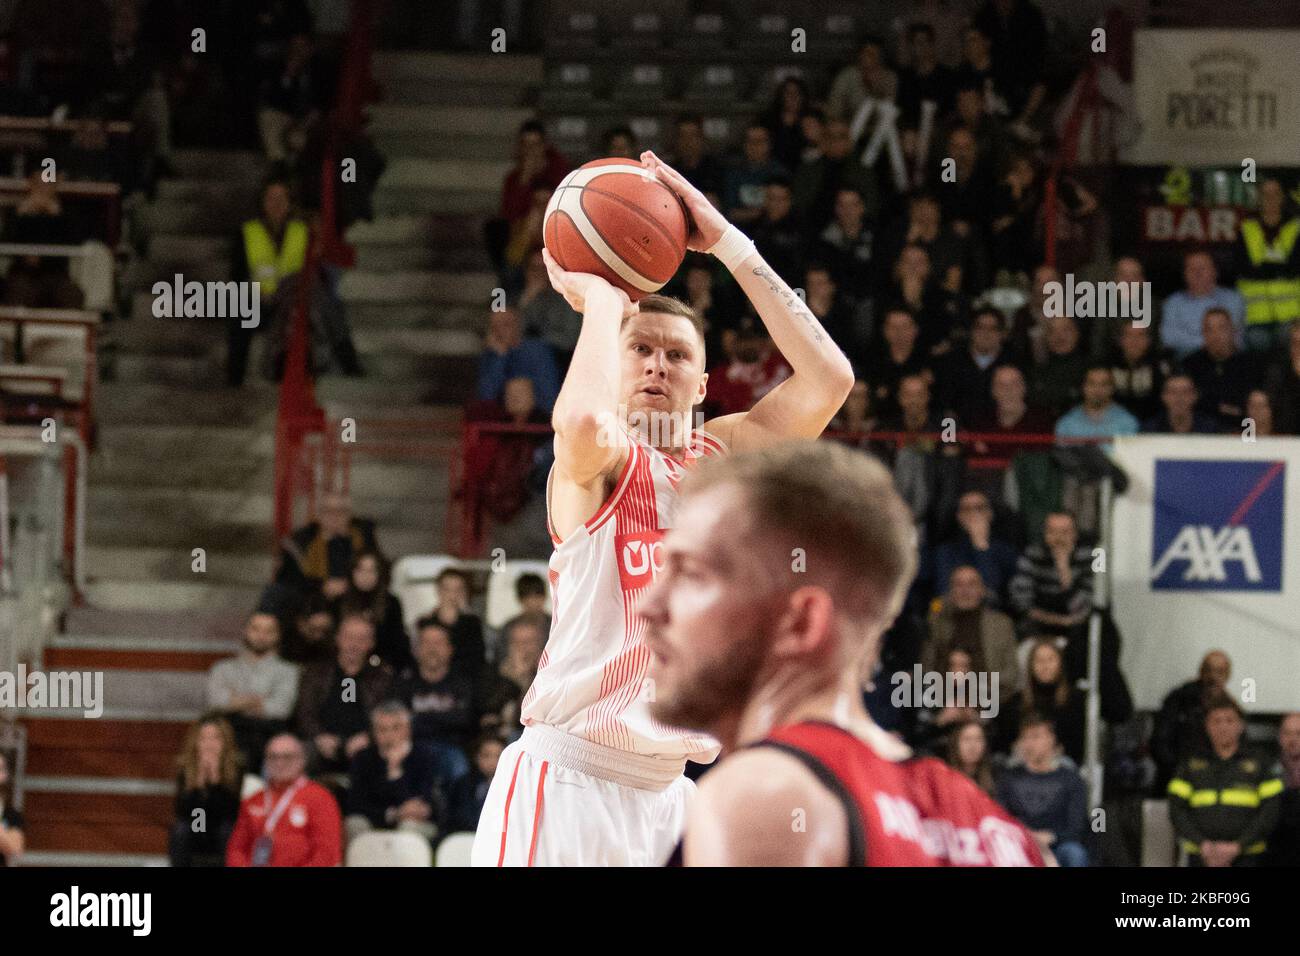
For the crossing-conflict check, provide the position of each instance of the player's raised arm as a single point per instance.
(802, 405)
(588, 399)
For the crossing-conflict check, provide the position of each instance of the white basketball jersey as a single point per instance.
(591, 679)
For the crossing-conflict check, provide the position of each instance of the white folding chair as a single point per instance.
(414, 583)
(455, 850)
(1159, 842)
(389, 848)
(252, 784)
(502, 604)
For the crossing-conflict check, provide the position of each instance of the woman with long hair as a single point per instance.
(368, 592)
(784, 120)
(968, 751)
(209, 778)
(1048, 693)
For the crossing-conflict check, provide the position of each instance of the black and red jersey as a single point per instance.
(915, 812)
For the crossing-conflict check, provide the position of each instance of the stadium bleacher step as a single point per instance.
(170, 369)
(147, 405)
(168, 627)
(111, 467)
(138, 695)
(247, 567)
(417, 342)
(417, 315)
(54, 742)
(191, 216)
(171, 595)
(403, 198)
(450, 175)
(194, 189)
(132, 526)
(183, 504)
(447, 120)
(100, 651)
(244, 166)
(420, 144)
(451, 377)
(418, 286)
(142, 303)
(177, 337)
(104, 821)
(343, 396)
(99, 792)
(436, 78)
(436, 68)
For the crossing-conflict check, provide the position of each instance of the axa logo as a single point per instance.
(640, 558)
(1208, 552)
(1218, 525)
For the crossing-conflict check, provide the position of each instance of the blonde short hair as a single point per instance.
(840, 507)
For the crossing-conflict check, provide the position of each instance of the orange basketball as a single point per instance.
(615, 219)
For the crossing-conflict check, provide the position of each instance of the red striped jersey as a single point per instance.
(591, 681)
(915, 812)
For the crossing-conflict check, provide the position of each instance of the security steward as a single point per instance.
(1223, 802)
(269, 249)
(1267, 262)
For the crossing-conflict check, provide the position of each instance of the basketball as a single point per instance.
(614, 219)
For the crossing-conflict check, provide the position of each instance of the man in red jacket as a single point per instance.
(293, 822)
(783, 570)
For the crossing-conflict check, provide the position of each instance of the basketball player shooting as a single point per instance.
(595, 779)
(782, 572)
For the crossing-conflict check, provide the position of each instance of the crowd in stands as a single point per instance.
(937, 292)
(396, 728)
(354, 719)
(252, 74)
(937, 288)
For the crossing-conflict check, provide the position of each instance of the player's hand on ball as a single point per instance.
(577, 287)
(707, 224)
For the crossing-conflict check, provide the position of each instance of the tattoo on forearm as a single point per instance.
(792, 301)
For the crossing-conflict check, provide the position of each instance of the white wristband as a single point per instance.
(733, 248)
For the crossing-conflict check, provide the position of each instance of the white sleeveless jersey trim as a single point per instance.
(591, 680)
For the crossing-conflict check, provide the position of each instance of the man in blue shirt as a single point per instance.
(508, 354)
(1180, 320)
(1044, 791)
(1099, 416)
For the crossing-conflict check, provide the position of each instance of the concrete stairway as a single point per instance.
(99, 791)
(184, 462)
(420, 292)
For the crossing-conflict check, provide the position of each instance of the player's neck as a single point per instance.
(667, 433)
(796, 698)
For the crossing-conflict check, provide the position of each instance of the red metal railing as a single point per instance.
(1087, 105)
(299, 416)
(1084, 104)
(466, 534)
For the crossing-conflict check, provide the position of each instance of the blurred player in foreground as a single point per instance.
(784, 568)
(595, 780)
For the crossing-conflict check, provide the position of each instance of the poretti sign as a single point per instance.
(1218, 525)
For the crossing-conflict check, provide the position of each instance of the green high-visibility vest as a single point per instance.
(1276, 299)
(268, 265)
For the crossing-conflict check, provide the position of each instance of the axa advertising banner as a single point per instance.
(1211, 97)
(1204, 553)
